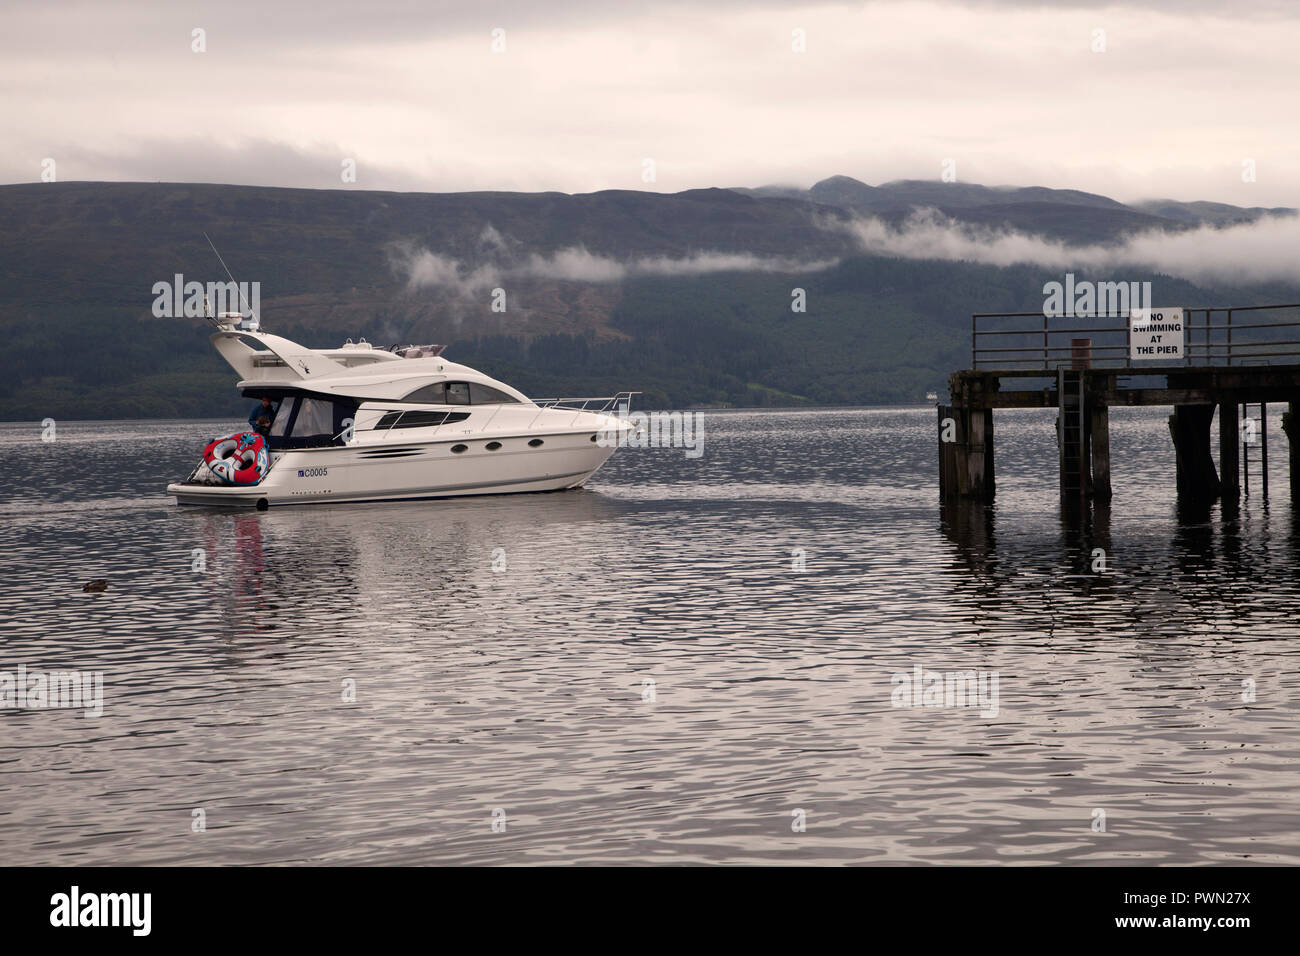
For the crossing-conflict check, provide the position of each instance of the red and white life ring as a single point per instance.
(239, 459)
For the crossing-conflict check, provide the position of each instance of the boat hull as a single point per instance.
(399, 471)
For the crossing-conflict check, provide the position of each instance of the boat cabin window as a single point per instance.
(434, 394)
(421, 419)
(487, 395)
(460, 393)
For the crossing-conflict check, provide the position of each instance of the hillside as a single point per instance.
(684, 296)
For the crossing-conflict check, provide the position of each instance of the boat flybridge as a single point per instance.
(360, 423)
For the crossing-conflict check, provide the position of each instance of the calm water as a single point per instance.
(526, 689)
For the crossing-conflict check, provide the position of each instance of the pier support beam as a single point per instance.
(1099, 434)
(1189, 426)
(1229, 454)
(951, 461)
(979, 453)
(966, 453)
(1291, 425)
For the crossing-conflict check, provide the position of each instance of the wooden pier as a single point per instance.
(1233, 360)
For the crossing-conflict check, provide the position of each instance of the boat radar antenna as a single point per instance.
(254, 322)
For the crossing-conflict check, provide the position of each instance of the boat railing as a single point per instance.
(1016, 342)
(600, 405)
(609, 402)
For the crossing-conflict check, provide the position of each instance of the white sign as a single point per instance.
(1155, 334)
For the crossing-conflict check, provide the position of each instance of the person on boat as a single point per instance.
(260, 418)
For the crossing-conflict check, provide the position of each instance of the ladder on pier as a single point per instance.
(1071, 436)
(1254, 432)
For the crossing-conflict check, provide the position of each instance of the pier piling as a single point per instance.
(1291, 427)
(966, 453)
(1099, 432)
(1229, 454)
(1189, 427)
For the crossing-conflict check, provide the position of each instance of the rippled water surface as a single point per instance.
(527, 689)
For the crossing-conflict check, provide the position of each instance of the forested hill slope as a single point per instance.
(686, 297)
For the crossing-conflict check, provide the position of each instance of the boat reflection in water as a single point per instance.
(312, 569)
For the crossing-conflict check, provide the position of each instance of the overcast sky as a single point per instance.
(711, 90)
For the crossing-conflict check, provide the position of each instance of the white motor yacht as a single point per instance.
(360, 423)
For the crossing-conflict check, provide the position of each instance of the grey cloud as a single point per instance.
(234, 160)
(257, 27)
(1259, 251)
(244, 27)
(110, 90)
(421, 268)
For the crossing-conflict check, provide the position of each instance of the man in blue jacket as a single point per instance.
(261, 417)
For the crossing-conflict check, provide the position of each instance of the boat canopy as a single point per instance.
(307, 419)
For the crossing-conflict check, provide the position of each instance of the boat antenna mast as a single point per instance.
(256, 322)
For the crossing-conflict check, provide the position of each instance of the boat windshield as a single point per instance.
(419, 351)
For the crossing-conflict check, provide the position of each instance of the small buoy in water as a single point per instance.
(97, 585)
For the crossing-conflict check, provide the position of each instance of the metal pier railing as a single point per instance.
(1213, 336)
